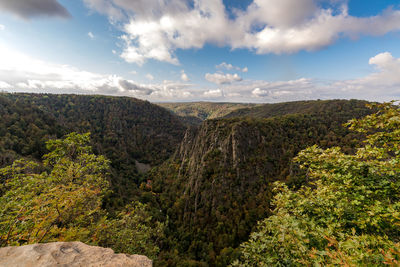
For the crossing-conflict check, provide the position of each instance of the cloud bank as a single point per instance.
(155, 29)
(19, 72)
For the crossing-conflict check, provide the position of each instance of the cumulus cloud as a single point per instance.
(155, 29)
(221, 78)
(388, 70)
(149, 77)
(184, 76)
(227, 66)
(383, 84)
(2, 27)
(28, 9)
(213, 93)
(319, 31)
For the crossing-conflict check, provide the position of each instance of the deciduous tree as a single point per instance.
(349, 211)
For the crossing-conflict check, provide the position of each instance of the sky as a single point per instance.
(259, 51)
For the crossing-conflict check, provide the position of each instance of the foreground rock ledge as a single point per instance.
(68, 254)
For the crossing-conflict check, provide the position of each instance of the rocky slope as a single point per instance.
(71, 254)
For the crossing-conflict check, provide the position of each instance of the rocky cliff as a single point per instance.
(69, 254)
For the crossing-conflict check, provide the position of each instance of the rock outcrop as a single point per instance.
(69, 254)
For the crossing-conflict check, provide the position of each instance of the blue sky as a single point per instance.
(210, 50)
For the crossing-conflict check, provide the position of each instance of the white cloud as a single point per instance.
(155, 29)
(149, 77)
(224, 65)
(4, 85)
(265, 91)
(216, 93)
(258, 92)
(131, 55)
(184, 76)
(227, 66)
(134, 72)
(91, 35)
(2, 27)
(384, 61)
(221, 78)
(20, 72)
(383, 84)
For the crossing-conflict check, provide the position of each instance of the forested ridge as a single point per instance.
(123, 129)
(209, 186)
(196, 112)
(337, 108)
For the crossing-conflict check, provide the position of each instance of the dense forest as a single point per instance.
(128, 131)
(219, 182)
(210, 181)
(347, 214)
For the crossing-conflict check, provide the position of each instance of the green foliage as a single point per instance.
(348, 214)
(62, 199)
(336, 108)
(133, 232)
(60, 203)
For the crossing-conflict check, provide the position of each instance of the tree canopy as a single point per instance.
(348, 213)
(61, 198)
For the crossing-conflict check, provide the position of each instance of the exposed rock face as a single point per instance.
(68, 254)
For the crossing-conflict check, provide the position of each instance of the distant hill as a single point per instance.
(298, 107)
(124, 129)
(200, 111)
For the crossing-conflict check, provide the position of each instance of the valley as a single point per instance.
(210, 182)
